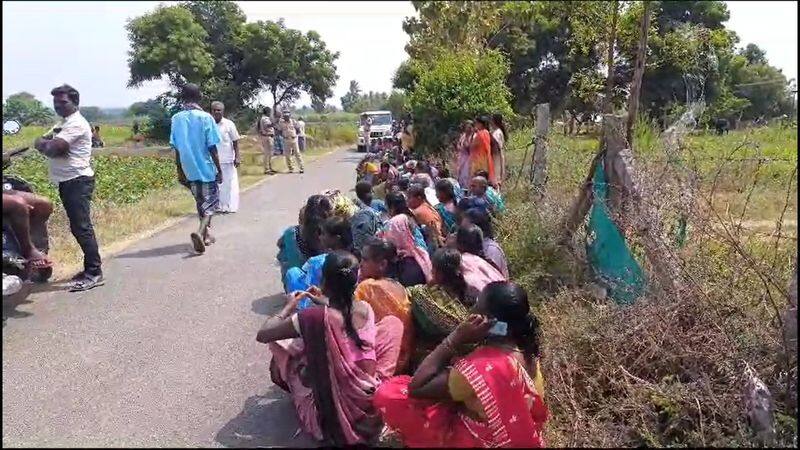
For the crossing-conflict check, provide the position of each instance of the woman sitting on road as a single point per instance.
(426, 215)
(478, 271)
(445, 192)
(489, 397)
(414, 266)
(298, 243)
(491, 249)
(441, 305)
(335, 235)
(386, 296)
(331, 357)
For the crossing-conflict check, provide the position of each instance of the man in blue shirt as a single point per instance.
(194, 136)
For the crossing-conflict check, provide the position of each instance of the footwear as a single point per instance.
(87, 282)
(78, 276)
(302, 171)
(197, 243)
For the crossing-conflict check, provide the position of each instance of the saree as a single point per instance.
(448, 214)
(302, 278)
(495, 254)
(514, 412)
(427, 215)
(480, 154)
(478, 273)
(436, 312)
(497, 156)
(463, 171)
(387, 297)
(331, 393)
(292, 251)
(409, 242)
(496, 200)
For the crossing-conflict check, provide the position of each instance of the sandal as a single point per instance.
(209, 240)
(197, 243)
(87, 282)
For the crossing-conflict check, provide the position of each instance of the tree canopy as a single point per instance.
(27, 110)
(558, 52)
(211, 44)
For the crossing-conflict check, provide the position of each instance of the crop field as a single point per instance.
(112, 135)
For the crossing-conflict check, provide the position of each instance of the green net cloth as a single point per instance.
(609, 257)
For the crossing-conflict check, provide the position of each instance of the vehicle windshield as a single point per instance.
(381, 119)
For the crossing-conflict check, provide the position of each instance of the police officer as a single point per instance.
(288, 128)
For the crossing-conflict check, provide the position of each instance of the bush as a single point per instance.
(453, 88)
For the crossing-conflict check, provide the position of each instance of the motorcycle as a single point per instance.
(13, 262)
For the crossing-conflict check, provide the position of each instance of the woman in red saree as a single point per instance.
(488, 397)
(480, 153)
(330, 357)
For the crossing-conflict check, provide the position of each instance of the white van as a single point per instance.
(380, 127)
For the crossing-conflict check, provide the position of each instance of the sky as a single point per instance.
(85, 43)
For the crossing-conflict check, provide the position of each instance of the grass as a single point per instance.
(136, 191)
(665, 371)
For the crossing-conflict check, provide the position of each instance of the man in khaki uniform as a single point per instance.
(288, 128)
(266, 130)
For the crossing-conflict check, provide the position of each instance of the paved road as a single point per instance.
(164, 354)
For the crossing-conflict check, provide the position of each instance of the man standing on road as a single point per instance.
(301, 134)
(266, 130)
(68, 147)
(290, 147)
(229, 160)
(195, 136)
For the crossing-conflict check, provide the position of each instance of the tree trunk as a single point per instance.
(612, 39)
(539, 160)
(638, 73)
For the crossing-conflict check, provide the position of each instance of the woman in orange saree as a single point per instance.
(480, 153)
(491, 396)
(386, 296)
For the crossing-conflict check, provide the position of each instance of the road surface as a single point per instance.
(164, 354)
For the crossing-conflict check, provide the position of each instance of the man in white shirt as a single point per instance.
(68, 147)
(229, 160)
(301, 134)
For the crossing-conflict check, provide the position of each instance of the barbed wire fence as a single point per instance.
(718, 301)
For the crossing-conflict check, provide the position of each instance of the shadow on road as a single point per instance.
(267, 305)
(267, 420)
(175, 249)
(10, 303)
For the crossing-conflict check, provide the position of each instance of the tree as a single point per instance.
(92, 113)
(457, 86)
(397, 103)
(753, 54)
(143, 108)
(168, 42)
(286, 62)
(210, 43)
(351, 97)
(27, 110)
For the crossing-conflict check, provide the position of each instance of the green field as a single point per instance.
(112, 135)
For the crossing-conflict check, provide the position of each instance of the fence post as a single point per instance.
(629, 207)
(539, 161)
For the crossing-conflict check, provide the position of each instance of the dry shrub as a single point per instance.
(665, 371)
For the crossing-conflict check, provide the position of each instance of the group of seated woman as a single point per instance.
(412, 328)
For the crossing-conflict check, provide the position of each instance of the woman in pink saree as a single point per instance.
(463, 395)
(403, 231)
(478, 270)
(331, 357)
(463, 144)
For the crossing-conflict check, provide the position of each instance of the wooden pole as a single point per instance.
(638, 72)
(539, 160)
